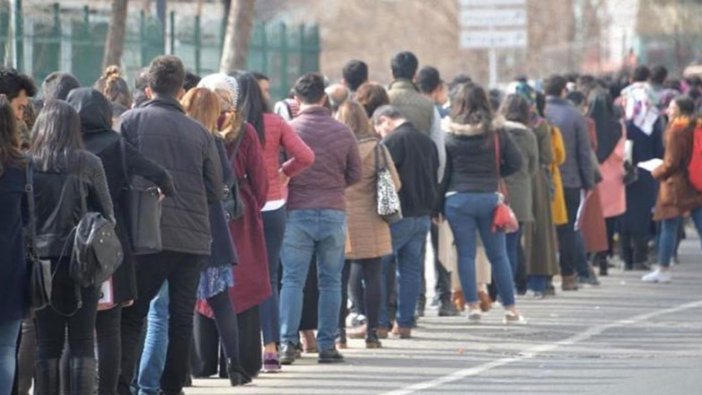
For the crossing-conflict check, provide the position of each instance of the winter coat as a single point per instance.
(519, 184)
(676, 196)
(558, 206)
(415, 107)
(99, 138)
(612, 169)
(368, 234)
(592, 225)
(577, 170)
(162, 132)
(13, 211)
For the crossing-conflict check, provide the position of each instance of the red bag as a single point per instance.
(694, 168)
(503, 218)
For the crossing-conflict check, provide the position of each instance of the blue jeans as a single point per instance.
(669, 235)
(468, 214)
(308, 233)
(274, 230)
(408, 239)
(9, 332)
(537, 283)
(153, 358)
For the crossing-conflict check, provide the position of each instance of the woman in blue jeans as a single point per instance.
(676, 196)
(13, 282)
(473, 141)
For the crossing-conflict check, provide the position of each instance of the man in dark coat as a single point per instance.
(162, 132)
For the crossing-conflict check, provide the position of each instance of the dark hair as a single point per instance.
(10, 153)
(495, 97)
(250, 103)
(56, 137)
(673, 84)
(685, 104)
(516, 108)
(387, 111)
(577, 98)
(404, 65)
(58, 85)
(554, 85)
(641, 74)
(428, 79)
(470, 105)
(260, 76)
(310, 88)
(141, 82)
(371, 96)
(355, 73)
(12, 83)
(586, 83)
(166, 75)
(658, 74)
(114, 87)
(459, 79)
(191, 80)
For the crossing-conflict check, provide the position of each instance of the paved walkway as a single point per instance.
(622, 338)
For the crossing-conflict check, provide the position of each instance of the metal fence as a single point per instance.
(58, 38)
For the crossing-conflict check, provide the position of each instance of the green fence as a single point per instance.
(58, 38)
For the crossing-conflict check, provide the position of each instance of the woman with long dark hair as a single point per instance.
(13, 211)
(65, 176)
(471, 184)
(121, 162)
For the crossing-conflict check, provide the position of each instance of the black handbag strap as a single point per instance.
(123, 163)
(32, 220)
(379, 151)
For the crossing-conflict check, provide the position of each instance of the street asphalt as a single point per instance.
(623, 337)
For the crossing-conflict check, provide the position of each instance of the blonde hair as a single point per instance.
(114, 87)
(353, 115)
(202, 105)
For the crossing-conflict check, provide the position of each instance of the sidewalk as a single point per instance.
(622, 338)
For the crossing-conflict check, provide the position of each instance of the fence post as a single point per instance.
(142, 37)
(264, 48)
(284, 58)
(198, 44)
(301, 64)
(171, 37)
(18, 31)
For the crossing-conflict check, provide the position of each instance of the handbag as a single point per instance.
(97, 251)
(143, 212)
(39, 269)
(631, 173)
(503, 218)
(233, 203)
(388, 201)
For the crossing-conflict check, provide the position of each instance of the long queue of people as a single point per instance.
(274, 222)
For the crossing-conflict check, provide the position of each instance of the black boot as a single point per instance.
(237, 375)
(83, 372)
(46, 377)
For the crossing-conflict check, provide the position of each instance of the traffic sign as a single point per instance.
(491, 3)
(486, 18)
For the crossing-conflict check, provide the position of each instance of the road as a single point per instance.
(623, 338)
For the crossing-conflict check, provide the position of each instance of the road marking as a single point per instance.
(534, 351)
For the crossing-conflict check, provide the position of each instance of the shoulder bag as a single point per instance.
(39, 269)
(232, 201)
(388, 201)
(503, 218)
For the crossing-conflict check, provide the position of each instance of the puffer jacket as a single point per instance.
(163, 133)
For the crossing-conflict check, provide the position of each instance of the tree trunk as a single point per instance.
(238, 36)
(114, 46)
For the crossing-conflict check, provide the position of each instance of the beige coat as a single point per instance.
(368, 234)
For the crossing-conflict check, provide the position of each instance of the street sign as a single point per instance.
(491, 3)
(493, 39)
(486, 18)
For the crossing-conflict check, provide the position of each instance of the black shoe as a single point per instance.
(288, 354)
(237, 374)
(331, 355)
(447, 309)
(372, 340)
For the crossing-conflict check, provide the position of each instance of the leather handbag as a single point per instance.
(97, 251)
(143, 211)
(388, 201)
(233, 203)
(39, 269)
(503, 217)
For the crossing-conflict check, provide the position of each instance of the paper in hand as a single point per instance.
(650, 165)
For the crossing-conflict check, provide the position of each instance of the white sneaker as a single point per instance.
(514, 319)
(657, 276)
(474, 316)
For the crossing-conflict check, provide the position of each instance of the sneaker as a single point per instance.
(271, 363)
(657, 276)
(474, 316)
(512, 318)
(331, 355)
(288, 354)
(535, 295)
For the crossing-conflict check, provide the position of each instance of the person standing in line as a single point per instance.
(115, 88)
(417, 162)
(62, 182)
(368, 237)
(354, 74)
(516, 112)
(317, 219)
(116, 155)
(163, 132)
(371, 96)
(577, 174)
(676, 196)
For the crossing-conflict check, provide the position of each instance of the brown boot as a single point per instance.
(570, 283)
(402, 333)
(485, 301)
(459, 300)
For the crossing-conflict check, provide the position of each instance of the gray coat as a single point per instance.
(164, 134)
(519, 184)
(577, 171)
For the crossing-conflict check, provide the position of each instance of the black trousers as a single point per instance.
(208, 333)
(250, 341)
(570, 248)
(109, 348)
(634, 247)
(183, 273)
(366, 272)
